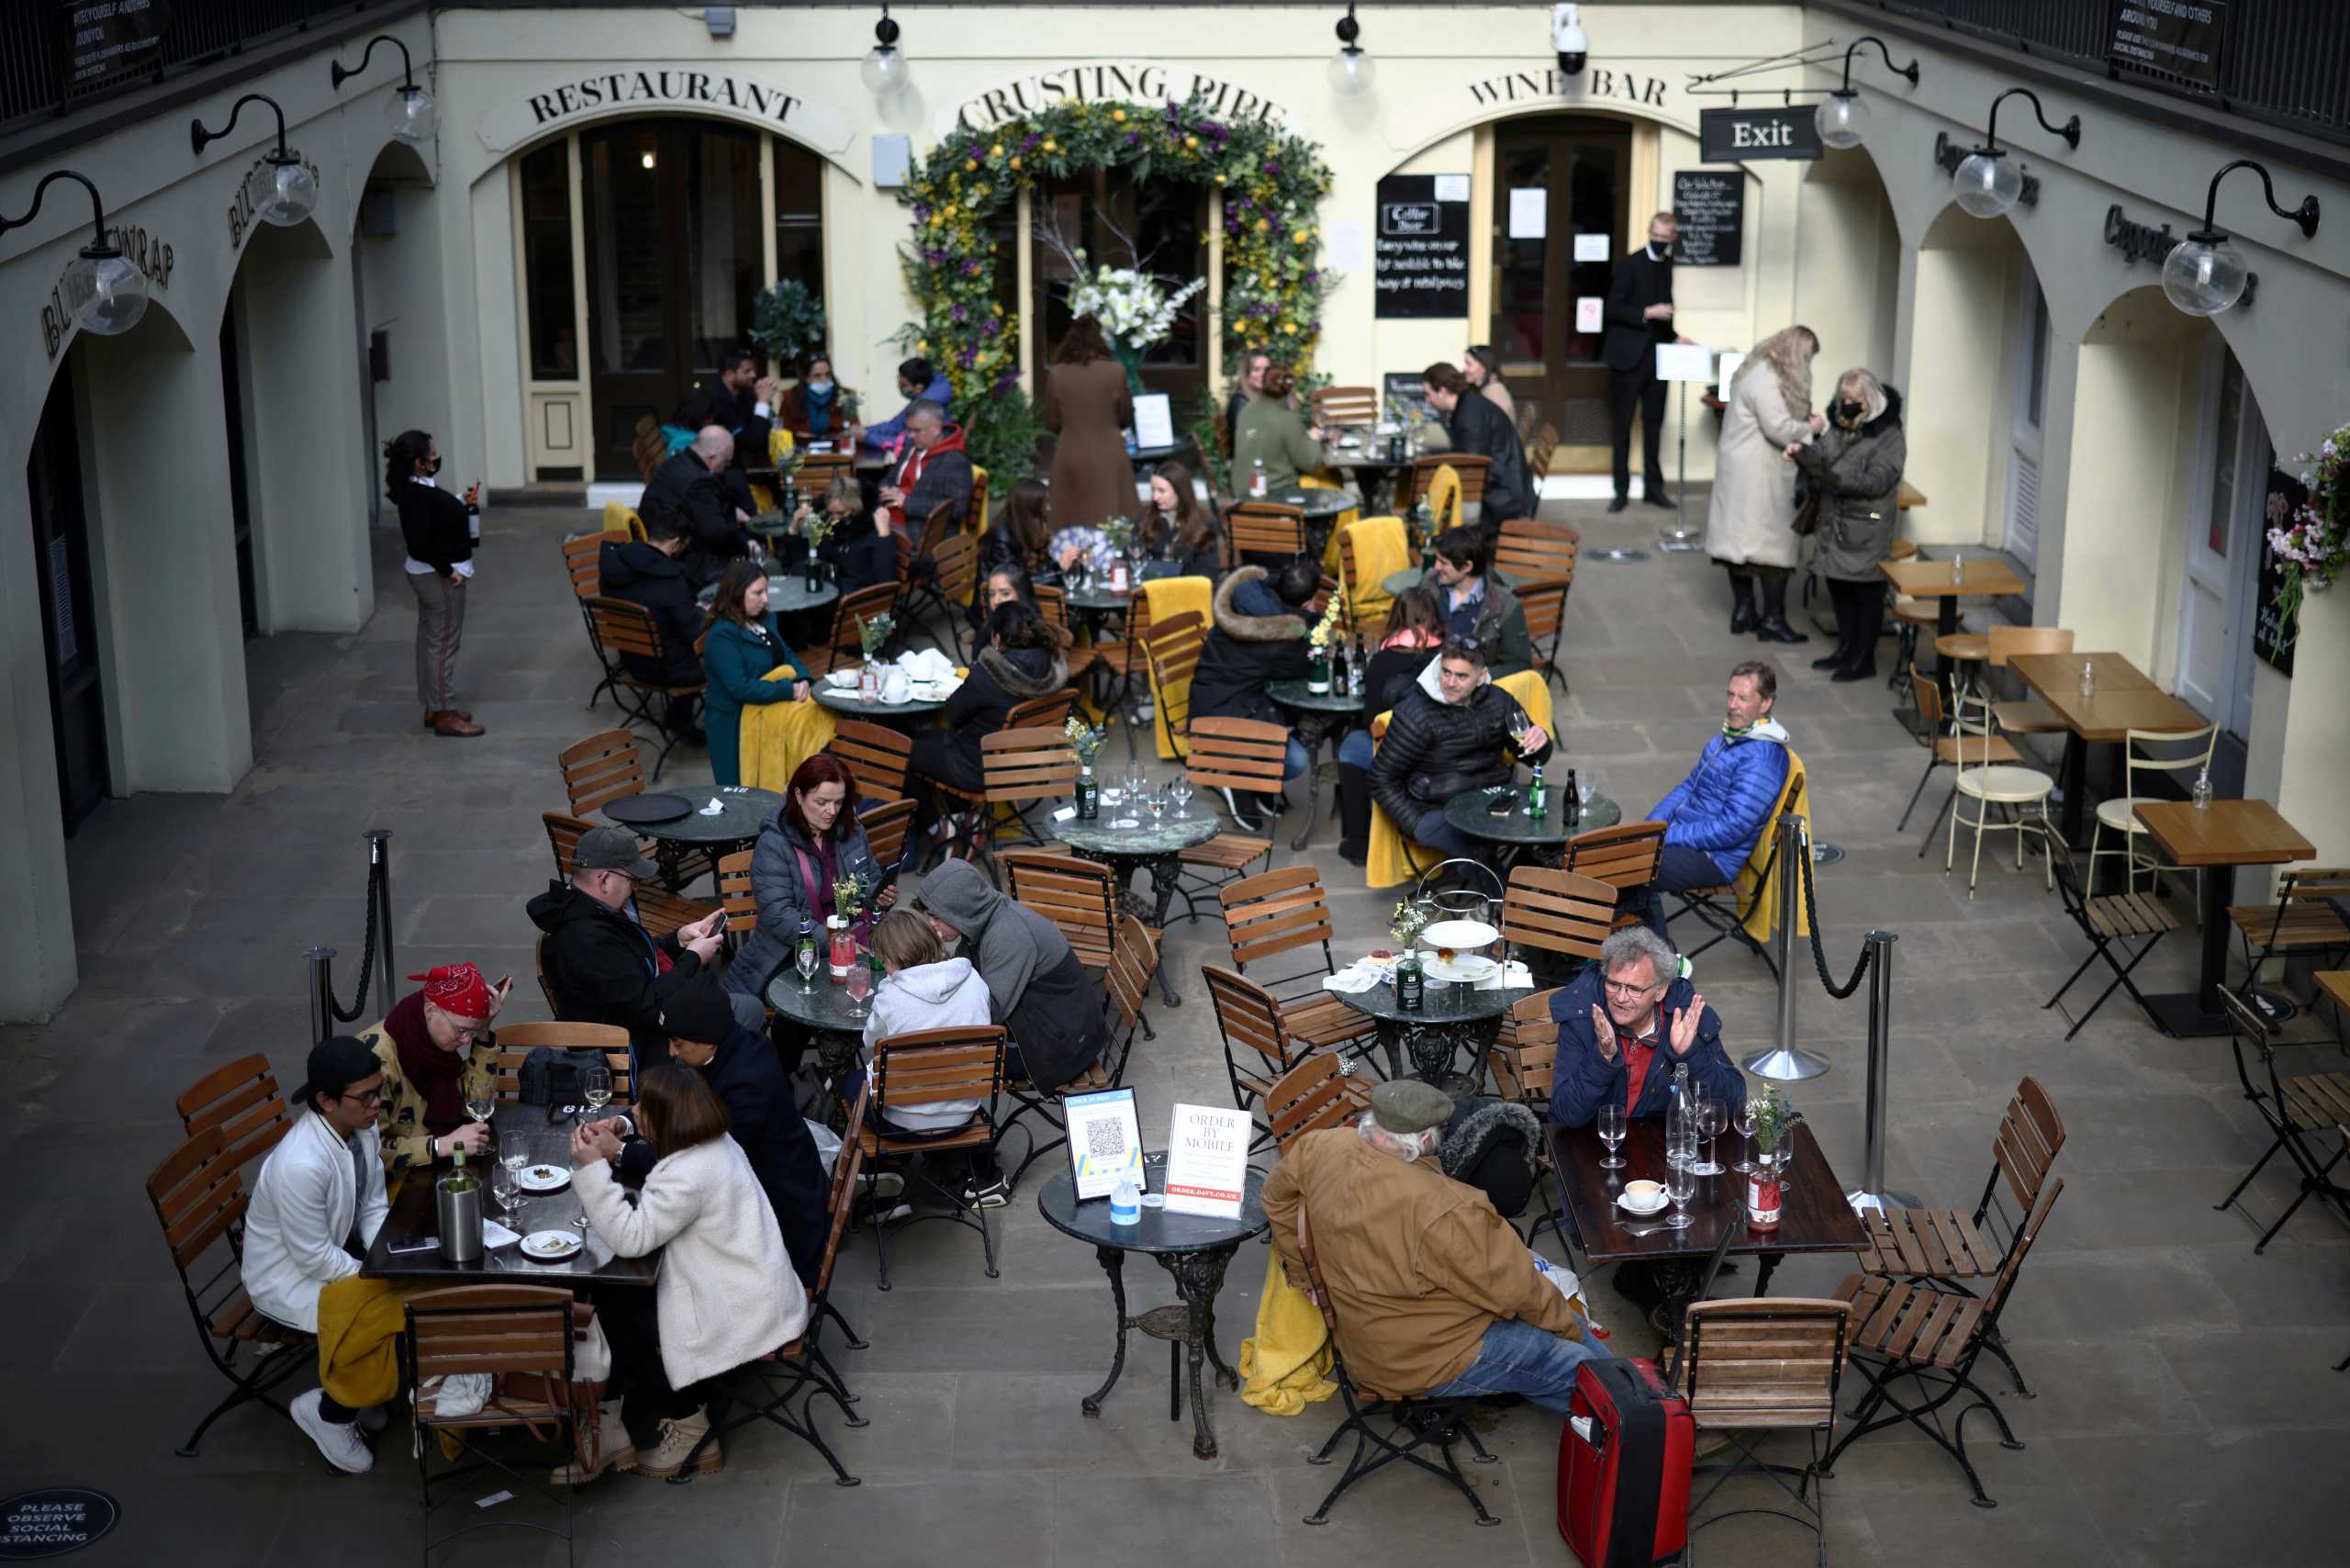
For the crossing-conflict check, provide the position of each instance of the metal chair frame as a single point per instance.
(625, 629)
(2326, 1095)
(934, 1065)
(1746, 1409)
(501, 1342)
(2126, 914)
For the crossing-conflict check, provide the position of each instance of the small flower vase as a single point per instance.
(840, 948)
(1120, 577)
(1318, 672)
(1089, 794)
(1764, 1191)
(868, 682)
(815, 579)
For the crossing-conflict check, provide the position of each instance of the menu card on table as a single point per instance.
(1207, 1161)
(1104, 1141)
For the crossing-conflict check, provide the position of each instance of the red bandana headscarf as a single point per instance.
(438, 1075)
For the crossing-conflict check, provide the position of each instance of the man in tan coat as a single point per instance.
(1434, 1293)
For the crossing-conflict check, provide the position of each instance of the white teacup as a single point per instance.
(897, 687)
(1644, 1197)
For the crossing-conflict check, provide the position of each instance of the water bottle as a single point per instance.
(1957, 567)
(2088, 679)
(1125, 1203)
(1538, 805)
(2202, 796)
(1410, 988)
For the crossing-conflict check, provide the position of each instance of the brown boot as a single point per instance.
(667, 1459)
(613, 1450)
(452, 722)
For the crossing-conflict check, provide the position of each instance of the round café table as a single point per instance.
(742, 811)
(1146, 844)
(786, 595)
(1450, 1016)
(837, 1033)
(1520, 836)
(1194, 1249)
(1316, 718)
(845, 700)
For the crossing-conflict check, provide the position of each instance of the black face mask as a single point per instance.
(433, 467)
(1850, 412)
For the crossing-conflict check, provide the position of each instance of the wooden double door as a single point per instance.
(1561, 217)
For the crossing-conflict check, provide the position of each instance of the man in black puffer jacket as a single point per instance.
(1454, 732)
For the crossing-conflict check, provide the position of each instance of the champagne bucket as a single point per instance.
(460, 1215)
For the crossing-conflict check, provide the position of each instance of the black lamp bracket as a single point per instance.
(2305, 215)
(342, 72)
(99, 245)
(2070, 130)
(199, 137)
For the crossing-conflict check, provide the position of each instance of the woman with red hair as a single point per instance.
(806, 845)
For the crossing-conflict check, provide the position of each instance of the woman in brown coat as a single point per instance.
(1086, 403)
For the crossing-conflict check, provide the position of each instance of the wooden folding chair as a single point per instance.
(243, 1101)
(1624, 857)
(1258, 1046)
(955, 573)
(844, 648)
(602, 768)
(583, 557)
(2109, 922)
(2301, 1111)
(1280, 921)
(2029, 716)
(1546, 627)
(734, 893)
(1318, 1092)
(1172, 651)
(1079, 897)
(1563, 913)
(885, 830)
(521, 1336)
(1334, 405)
(1266, 529)
(659, 909)
(930, 1067)
(1133, 965)
(2304, 923)
(877, 756)
(1909, 1329)
(1728, 907)
(200, 1201)
(629, 630)
(1052, 605)
(1754, 1366)
(1524, 1061)
(1237, 755)
(1531, 553)
(599, 1044)
(1447, 509)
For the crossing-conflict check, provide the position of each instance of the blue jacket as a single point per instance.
(1587, 1080)
(879, 436)
(1721, 808)
(735, 661)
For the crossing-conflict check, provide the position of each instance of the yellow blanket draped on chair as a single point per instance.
(360, 1322)
(1171, 597)
(1759, 895)
(1395, 858)
(777, 738)
(1381, 551)
(1285, 1365)
(1344, 519)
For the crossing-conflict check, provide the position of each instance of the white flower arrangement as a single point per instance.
(1133, 310)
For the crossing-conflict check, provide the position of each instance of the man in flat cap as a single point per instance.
(1434, 1293)
(600, 962)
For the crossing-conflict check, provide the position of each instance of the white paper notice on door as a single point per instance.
(1529, 214)
(1451, 187)
(1591, 247)
(1154, 420)
(1587, 313)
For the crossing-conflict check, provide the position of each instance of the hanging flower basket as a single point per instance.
(2309, 539)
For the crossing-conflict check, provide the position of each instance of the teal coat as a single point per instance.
(735, 661)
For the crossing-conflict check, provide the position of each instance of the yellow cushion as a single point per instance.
(620, 518)
(1329, 482)
(1171, 597)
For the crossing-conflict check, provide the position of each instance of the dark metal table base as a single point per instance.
(1166, 871)
(1188, 1327)
(1432, 1047)
(1314, 730)
(1680, 1282)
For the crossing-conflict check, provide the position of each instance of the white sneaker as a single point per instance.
(339, 1441)
(881, 1184)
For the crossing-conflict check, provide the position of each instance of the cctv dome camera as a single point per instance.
(1568, 37)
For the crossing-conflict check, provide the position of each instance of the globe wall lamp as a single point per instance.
(409, 115)
(283, 190)
(1350, 68)
(2201, 275)
(1842, 116)
(106, 293)
(884, 68)
(1987, 182)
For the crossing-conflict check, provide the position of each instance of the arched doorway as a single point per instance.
(402, 339)
(1155, 225)
(1847, 262)
(1980, 359)
(63, 568)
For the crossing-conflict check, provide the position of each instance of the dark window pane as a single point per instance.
(546, 263)
(722, 241)
(798, 216)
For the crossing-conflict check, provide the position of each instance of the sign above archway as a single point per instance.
(571, 101)
(1498, 94)
(1123, 81)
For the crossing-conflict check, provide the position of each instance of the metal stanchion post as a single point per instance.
(1680, 536)
(321, 992)
(1871, 1195)
(379, 875)
(1787, 1062)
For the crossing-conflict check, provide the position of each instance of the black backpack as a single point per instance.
(550, 1077)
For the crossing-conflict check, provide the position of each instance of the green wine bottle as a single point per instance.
(459, 1179)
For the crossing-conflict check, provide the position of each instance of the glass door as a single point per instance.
(1561, 213)
(60, 540)
(673, 226)
(2225, 529)
(1158, 225)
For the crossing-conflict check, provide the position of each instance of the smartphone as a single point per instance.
(1501, 806)
(409, 1245)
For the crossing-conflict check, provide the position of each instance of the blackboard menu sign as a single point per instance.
(105, 39)
(2273, 632)
(1710, 209)
(1420, 265)
(2177, 37)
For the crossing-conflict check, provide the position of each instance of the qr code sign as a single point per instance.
(1105, 1140)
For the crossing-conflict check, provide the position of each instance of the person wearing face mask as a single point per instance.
(1749, 519)
(1855, 469)
(440, 563)
(816, 409)
(1640, 317)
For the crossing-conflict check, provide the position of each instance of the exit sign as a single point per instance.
(1739, 136)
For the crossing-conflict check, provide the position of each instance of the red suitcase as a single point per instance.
(1624, 1459)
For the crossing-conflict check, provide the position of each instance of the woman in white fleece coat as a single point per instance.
(727, 1294)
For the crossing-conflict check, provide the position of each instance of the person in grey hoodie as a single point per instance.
(922, 989)
(1037, 987)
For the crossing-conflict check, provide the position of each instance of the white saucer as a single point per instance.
(1468, 968)
(1623, 1202)
(549, 1245)
(542, 1177)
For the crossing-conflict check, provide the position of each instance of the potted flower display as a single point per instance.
(873, 635)
(1133, 309)
(848, 900)
(1774, 1121)
(1318, 641)
(1087, 742)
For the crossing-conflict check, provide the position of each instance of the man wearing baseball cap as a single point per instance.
(604, 967)
(316, 1208)
(1434, 1293)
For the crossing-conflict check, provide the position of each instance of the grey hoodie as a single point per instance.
(1037, 987)
(928, 996)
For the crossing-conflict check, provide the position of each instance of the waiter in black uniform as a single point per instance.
(1640, 317)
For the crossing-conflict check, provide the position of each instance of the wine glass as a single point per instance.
(808, 962)
(1587, 786)
(1611, 1133)
(596, 1087)
(1713, 1116)
(479, 1103)
(1743, 1119)
(1136, 783)
(1157, 800)
(504, 1187)
(860, 986)
(513, 1154)
(1181, 791)
(1680, 1186)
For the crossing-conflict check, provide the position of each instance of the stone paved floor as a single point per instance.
(2186, 1415)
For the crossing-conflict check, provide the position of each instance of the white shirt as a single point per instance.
(415, 568)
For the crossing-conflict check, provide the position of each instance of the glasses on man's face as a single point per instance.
(1626, 988)
(366, 1097)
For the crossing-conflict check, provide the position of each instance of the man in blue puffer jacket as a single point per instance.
(1713, 818)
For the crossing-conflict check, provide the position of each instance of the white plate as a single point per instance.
(542, 1177)
(1460, 935)
(1623, 1202)
(1469, 967)
(549, 1245)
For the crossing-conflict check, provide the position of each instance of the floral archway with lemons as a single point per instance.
(1272, 184)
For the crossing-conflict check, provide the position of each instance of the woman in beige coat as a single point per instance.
(1087, 403)
(1749, 522)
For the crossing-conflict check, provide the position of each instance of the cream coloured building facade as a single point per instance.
(608, 187)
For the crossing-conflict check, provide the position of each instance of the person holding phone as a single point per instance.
(438, 566)
(603, 965)
(439, 1058)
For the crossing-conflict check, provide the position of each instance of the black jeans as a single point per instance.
(1629, 389)
(1678, 870)
(632, 1323)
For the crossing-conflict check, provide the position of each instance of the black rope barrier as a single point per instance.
(375, 872)
(1818, 955)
